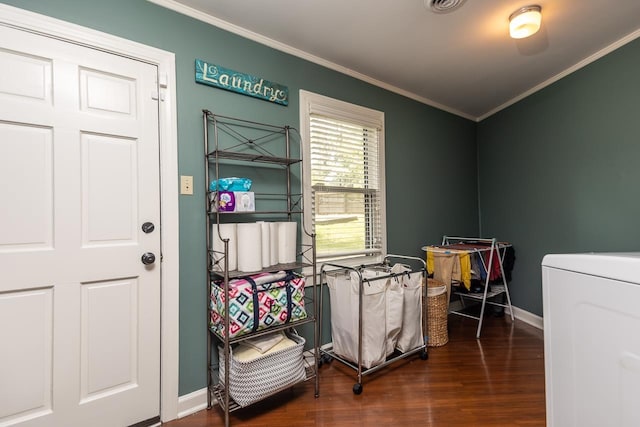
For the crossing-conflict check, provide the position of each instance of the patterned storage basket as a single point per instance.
(254, 380)
(257, 302)
(437, 307)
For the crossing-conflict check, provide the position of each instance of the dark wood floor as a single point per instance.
(495, 381)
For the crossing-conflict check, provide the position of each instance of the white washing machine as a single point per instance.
(591, 308)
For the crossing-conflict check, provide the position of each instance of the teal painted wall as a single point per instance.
(559, 170)
(424, 199)
(431, 176)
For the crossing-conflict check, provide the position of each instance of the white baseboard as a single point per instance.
(192, 402)
(528, 317)
(518, 313)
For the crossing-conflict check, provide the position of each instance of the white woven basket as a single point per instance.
(256, 379)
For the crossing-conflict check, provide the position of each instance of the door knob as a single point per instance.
(148, 227)
(148, 258)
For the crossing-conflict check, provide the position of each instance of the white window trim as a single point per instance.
(312, 103)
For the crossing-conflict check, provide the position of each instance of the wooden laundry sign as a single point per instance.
(235, 81)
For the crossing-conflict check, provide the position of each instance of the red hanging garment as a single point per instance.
(494, 269)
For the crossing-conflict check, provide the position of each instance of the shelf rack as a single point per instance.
(253, 143)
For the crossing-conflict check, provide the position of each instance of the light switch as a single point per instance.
(186, 184)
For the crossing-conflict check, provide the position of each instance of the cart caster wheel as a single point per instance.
(325, 358)
(424, 355)
(357, 388)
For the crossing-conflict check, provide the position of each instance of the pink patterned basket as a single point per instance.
(257, 302)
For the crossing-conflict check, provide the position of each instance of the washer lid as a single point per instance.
(624, 266)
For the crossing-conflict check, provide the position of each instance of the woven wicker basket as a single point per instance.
(437, 334)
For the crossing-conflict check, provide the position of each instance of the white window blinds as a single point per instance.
(345, 186)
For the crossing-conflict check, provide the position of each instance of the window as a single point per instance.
(344, 178)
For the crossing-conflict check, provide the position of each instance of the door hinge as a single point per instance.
(155, 95)
(163, 80)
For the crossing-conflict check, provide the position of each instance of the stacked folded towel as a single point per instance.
(256, 348)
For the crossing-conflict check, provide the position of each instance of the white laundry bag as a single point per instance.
(394, 302)
(343, 295)
(411, 334)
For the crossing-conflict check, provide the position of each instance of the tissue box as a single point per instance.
(245, 201)
(233, 201)
(223, 201)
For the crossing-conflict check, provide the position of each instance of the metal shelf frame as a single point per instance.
(252, 142)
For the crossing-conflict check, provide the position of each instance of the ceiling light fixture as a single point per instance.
(525, 21)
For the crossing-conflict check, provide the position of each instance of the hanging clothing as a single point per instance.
(477, 267)
(443, 265)
(450, 266)
(495, 271)
(465, 269)
(508, 262)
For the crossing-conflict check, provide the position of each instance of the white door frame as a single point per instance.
(165, 61)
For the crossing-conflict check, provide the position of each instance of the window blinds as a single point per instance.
(345, 183)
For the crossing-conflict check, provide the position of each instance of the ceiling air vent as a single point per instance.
(443, 6)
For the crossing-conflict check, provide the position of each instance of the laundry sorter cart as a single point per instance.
(377, 313)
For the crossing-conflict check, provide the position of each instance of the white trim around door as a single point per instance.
(165, 61)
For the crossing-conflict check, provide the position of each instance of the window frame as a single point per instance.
(312, 103)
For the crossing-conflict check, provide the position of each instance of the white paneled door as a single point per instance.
(79, 177)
